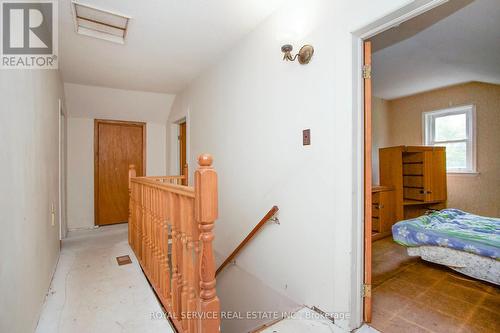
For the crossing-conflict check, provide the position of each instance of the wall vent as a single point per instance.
(99, 23)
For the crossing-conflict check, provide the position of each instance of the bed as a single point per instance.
(465, 242)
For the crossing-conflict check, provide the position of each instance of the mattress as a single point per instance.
(478, 267)
(453, 229)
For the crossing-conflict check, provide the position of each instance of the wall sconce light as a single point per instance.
(305, 54)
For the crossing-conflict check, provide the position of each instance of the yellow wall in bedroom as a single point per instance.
(478, 194)
(380, 128)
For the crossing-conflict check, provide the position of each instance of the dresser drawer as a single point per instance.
(382, 210)
(376, 224)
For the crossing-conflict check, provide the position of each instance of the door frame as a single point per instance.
(183, 143)
(63, 137)
(173, 165)
(376, 27)
(97, 122)
(367, 184)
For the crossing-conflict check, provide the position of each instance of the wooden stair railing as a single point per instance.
(171, 234)
(247, 239)
(178, 180)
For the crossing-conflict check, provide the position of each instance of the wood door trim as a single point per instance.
(97, 122)
(367, 277)
(183, 149)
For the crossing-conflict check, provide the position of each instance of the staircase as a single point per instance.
(242, 293)
(307, 320)
(171, 233)
(304, 320)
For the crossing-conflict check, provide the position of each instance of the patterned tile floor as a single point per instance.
(411, 295)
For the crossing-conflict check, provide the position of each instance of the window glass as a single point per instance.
(456, 154)
(452, 127)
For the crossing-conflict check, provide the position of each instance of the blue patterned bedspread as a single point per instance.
(452, 228)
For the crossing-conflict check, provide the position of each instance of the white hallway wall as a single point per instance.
(86, 103)
(249, 111)
(29, 148)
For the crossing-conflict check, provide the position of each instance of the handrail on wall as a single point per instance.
(247, 239)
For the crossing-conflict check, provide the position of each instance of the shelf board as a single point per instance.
(381, 188)
(416, 202)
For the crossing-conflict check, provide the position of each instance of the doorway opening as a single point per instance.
(418, 142)
(183, 166)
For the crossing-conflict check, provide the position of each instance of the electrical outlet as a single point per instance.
(52, 215)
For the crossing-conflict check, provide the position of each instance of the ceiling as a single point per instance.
(453, 43)
(168, 43)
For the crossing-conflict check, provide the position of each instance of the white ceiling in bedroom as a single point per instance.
(454, 43)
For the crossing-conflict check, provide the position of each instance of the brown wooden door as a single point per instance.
(426, 192)
(117, 144)
(182, 149)
(438, 187)
(367, 300)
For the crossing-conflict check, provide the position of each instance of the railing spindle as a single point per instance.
(171, 233)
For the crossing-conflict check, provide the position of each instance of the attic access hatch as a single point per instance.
(99, 23)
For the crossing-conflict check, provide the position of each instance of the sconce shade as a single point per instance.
(305, 54)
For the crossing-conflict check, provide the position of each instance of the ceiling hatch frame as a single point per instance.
(99, 23)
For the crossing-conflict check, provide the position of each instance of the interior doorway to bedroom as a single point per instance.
(429, 122)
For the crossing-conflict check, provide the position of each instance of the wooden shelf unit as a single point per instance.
(418, 176)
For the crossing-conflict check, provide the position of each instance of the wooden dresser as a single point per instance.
(418, 176)
(383, 211)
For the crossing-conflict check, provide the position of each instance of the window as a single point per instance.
(454, 129)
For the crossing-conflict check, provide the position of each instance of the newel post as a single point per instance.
(131, 174)
(206, 214)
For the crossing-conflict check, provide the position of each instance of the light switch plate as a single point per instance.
(306, 137)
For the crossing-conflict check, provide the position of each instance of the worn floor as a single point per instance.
(91, 293)
(304, 320)
(411, 295)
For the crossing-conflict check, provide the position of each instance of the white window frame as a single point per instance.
(428, 121)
